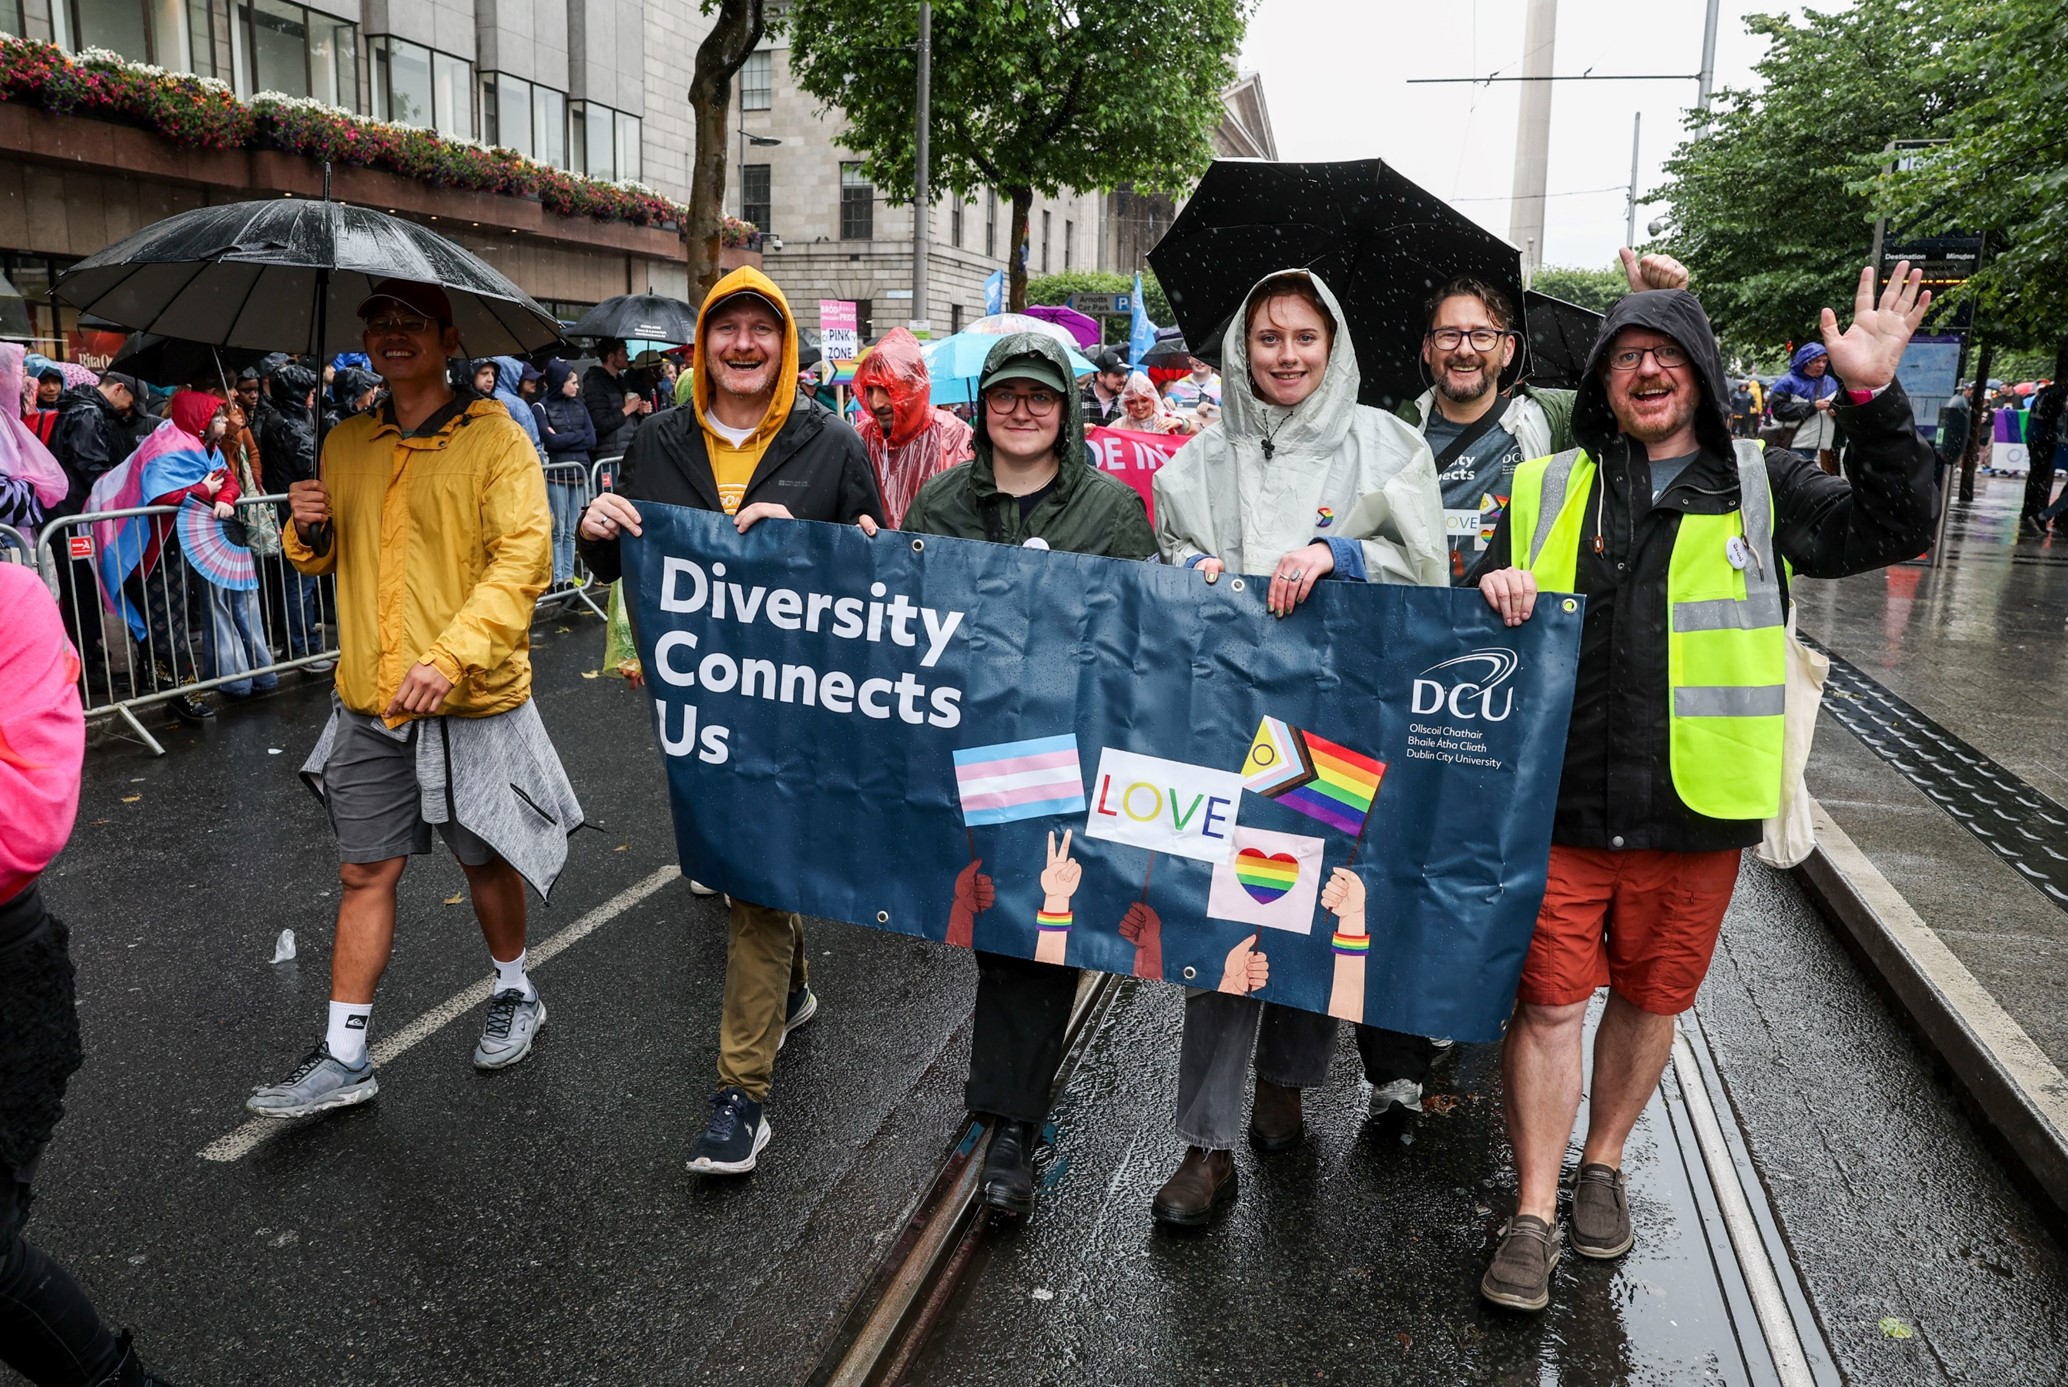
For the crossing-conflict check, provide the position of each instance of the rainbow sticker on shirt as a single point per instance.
(1324, 517)
(1491, 509)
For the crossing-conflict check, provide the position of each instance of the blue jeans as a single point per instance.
(302, 600)
(236, 642)
(565, 498)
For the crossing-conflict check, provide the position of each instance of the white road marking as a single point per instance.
(259, 1130)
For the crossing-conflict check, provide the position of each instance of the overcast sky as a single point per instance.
(1334, 75)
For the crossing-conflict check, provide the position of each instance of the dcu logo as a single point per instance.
(1468, 686)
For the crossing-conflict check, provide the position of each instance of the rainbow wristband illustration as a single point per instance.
(1355, 945)
(1054, 923)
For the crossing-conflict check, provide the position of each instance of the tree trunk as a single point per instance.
(1015, 251)
(722, 53)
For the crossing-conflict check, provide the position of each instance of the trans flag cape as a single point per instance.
(1112, 765)
(169, 460)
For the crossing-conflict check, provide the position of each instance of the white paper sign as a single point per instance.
(1272, 879)
(1164, 806)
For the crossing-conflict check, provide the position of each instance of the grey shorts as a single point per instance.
(376, 810)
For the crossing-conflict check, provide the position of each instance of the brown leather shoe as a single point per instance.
(1202, 1186)
(1275, 1123)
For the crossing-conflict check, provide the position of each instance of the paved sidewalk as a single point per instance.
(1943, 752)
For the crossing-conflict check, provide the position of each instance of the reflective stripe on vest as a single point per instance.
(1726, 641)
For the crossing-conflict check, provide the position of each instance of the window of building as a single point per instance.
(506, 112)
(865, 318)
(955, 225)
(121, 26)
(754, 195)
(628, 151)
(954, 319)
(857, 205)
(1044, 240)
(1069, 239)
(991, 223)
(757, 82)
(414, 85)
(280, 47)
(549, 126)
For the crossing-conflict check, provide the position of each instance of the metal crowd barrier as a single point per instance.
(603, 474)
(16, 547)
(196, 637)
(569, 489)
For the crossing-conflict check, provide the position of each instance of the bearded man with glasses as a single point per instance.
(1684, 543)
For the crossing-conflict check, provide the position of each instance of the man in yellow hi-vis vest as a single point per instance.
(1682, 543)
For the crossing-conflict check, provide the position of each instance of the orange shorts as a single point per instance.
(1642, 922)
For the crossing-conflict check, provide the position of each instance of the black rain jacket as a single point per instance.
(815, 466)
(1617, 789)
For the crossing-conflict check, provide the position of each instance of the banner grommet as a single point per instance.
(883, 917)
(1236, 585)
(1190, 972)
(919, 546)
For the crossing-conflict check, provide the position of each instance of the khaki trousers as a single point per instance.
(764, 964)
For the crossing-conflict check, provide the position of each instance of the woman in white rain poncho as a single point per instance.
(1300, 482)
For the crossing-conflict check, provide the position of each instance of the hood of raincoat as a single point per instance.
(290, 386)
(1069, 437)
(192, 411)
(1316, 423)
(22, 454)
(1138, 387)
(557, 372)
(897, 365)
(1679, 315)
(1799, 382)
(784, 397)
(1336, 470)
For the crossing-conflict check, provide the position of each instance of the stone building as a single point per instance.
(596, 87)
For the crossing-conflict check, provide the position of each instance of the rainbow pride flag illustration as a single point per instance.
(1019, 780)
(1312, 775)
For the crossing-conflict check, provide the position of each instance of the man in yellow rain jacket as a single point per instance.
(431, 512)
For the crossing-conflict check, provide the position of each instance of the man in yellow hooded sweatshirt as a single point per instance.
(751, 446)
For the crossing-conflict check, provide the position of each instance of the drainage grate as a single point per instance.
(2018, 823)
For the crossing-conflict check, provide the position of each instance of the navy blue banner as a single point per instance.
(1112, 765)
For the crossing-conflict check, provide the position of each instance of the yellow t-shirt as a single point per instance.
(735, 453)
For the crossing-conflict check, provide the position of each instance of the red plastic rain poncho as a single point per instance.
(923, 440)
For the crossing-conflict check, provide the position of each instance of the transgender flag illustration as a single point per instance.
(1019, 780)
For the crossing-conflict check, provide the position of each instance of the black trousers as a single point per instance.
(49, 1331)
(2039, 480)
(1294, 1049)
(1022, 1015)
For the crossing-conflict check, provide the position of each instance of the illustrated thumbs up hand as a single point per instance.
(1247, 969)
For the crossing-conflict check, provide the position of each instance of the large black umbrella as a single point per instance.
(1561, 336)
(288, 274)
(1168, 352)
(639, 317)
(1381, 243)
(176, 361)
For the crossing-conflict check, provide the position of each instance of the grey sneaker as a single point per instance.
(507, 1034)
(1520, 1274)
(319, 1083)
(697, 888)
(1601, 1213)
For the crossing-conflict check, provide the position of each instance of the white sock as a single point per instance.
(512, 974)
(347, 1035)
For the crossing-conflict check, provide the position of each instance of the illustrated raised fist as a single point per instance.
(974, 894)
(1343, 897)
(1247, 968)
(1143, 928)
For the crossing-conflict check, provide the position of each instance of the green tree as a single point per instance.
(1028, 96)
(1595, 289)
(2004, 168)
(1773, 212)
(721, 55)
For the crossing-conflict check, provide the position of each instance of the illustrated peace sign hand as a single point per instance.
(1060, 878)
(1866, 354)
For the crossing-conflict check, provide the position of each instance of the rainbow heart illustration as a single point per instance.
(1266, 878)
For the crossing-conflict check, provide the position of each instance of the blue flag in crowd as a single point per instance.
(994, 293)
(1142, 334)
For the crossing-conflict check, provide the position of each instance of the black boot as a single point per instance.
(1007, 1182)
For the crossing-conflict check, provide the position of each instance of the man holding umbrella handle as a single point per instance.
(441, 542)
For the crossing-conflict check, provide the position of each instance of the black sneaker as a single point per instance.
(733, 1138)
(802, 1006)
(190, 708)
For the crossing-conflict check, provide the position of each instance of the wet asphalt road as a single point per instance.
(538, 1225)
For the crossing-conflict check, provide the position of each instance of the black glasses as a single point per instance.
(1040, 403)
(384, 326)
(1483, 339)
(1668, 355)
